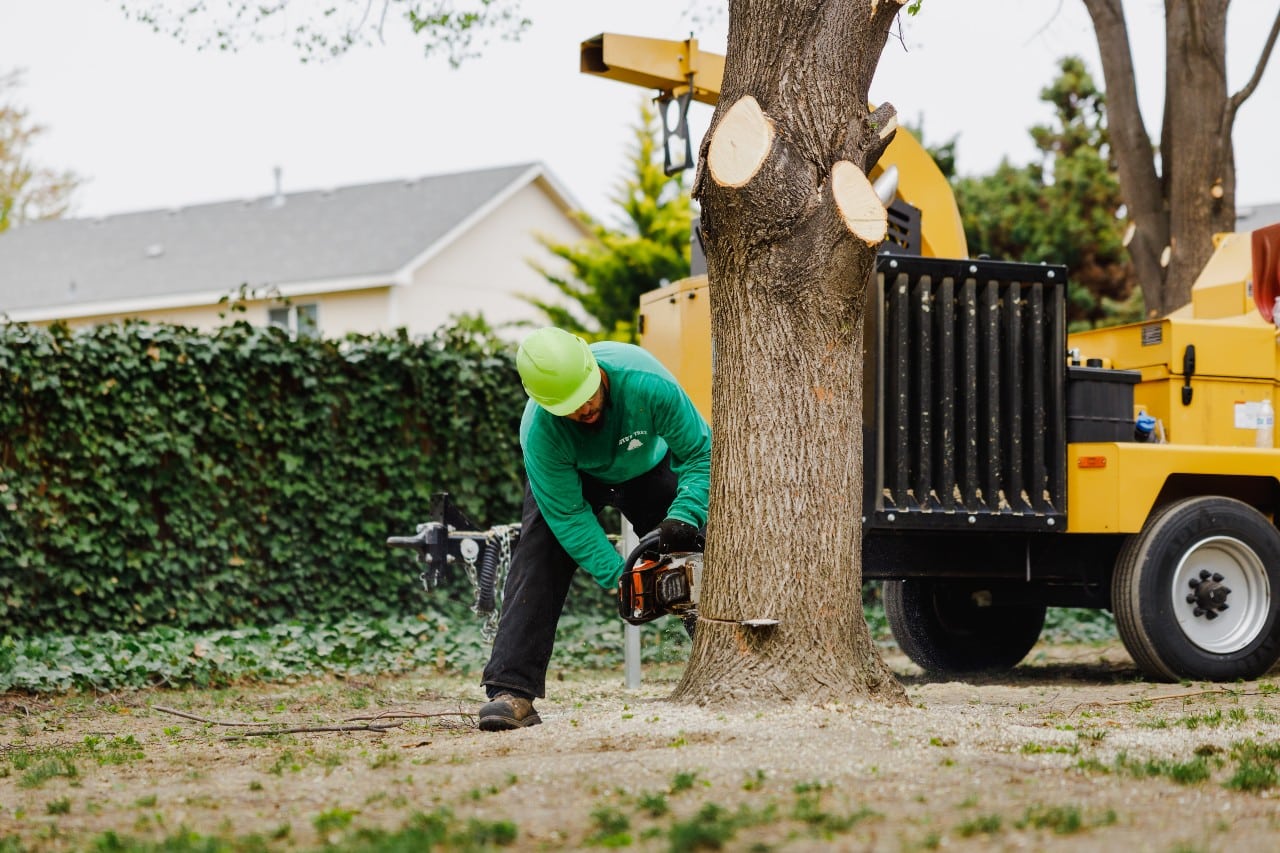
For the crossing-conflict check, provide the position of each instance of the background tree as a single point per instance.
(1063, 209)
(459, 29)
(1180, 194)
(27, 191)
(650, 247)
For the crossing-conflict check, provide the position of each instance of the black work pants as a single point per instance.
(541, 571)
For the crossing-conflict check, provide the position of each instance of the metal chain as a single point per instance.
(500, 537)
(469, 552)
(503, 538)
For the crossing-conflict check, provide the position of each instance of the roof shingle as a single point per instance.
(371, 230)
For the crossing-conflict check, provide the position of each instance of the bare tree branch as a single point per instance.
(311, 729)
(198, 719)
(1243, 95)
(1048, 22)
(456, 28)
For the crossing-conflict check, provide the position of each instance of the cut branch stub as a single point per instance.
(883, 122)
(876, 3)
(740, 144)
(858, 203)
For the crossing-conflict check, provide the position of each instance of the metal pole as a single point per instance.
(630, 633)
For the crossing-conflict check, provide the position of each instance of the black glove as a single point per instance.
(675, 535)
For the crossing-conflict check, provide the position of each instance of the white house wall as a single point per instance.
(483, 270)
(337, 313)
(204, 317)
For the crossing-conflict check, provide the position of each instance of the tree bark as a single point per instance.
(791, 244)
(1195, 147)
(1132, 150)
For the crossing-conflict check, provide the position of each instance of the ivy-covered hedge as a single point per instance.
(153, 474)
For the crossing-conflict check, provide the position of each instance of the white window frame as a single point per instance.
(299, 320)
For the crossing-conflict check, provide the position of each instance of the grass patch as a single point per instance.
(653, 804)
(38, 766)
(438, 830)
(985, 825)
(117, 750)
(1062, 820)
(809, 811)
(1033, 748)
(1182, 772)
(1190, 772)
(1257, 766)
(333, 819)
(714, 826)
(1210, 720)
(612, 828)
(684, 780)
(384, 758)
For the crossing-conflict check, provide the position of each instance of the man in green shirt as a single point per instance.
(605, 425)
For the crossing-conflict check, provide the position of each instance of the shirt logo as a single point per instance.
(632, 441)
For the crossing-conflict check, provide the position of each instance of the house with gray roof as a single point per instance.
(1253, 217)
(376, 257)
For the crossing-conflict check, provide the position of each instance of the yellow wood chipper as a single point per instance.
(1011, 467)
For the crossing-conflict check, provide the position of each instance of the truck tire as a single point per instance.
(1194, 592)
(944, 630)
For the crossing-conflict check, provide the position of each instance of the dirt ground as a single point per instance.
(1072, 751)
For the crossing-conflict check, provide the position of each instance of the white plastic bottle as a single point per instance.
(1266, 430)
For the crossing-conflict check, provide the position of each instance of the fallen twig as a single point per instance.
(466, 720)
(1191, 695)
(368, 727)
(269, 732)
(409, 715)
(187, 716)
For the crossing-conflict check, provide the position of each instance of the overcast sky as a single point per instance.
(153, 123)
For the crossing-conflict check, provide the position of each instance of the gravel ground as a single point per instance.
(1072, 751)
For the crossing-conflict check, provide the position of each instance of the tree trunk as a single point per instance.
(1176, 214)
(1195, 148)
(1131, 147)
(791, 227)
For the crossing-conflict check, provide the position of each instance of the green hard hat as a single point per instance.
(558, 370)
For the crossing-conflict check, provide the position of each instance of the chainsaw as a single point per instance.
(654, 584)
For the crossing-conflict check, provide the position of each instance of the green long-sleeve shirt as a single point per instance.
(647, 413)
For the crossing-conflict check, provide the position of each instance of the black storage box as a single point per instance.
(1100, 404)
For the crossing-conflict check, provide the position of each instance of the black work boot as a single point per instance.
(507, 711)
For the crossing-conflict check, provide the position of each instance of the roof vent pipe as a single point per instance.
(278, 199)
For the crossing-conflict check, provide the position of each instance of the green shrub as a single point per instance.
(154, 475)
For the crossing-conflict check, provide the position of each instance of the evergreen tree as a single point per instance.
(1062, 209)
(647, 249)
